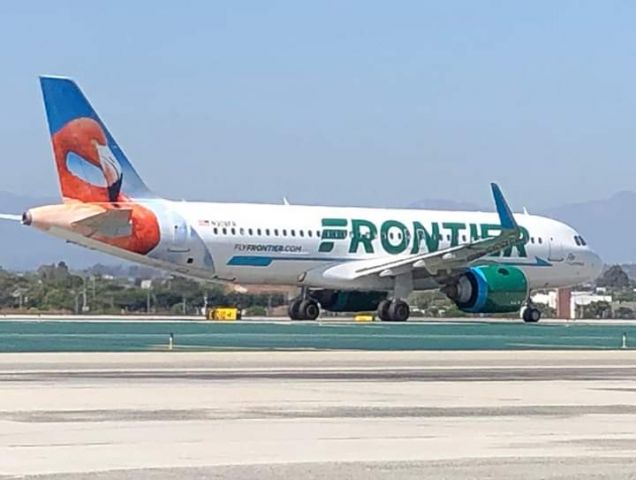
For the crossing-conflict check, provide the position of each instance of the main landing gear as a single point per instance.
(393, 310)
(530, 313)
(303, 309)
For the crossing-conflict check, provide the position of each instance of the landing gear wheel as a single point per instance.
(399, 311)
(383, 310)
(531, 315)
(393, 311)
(293, 310)
(309, 309)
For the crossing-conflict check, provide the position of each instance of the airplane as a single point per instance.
(340, 259)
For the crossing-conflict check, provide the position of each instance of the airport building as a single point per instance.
(567, 303)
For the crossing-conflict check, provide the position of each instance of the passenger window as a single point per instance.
(216, 231)
(463, 238)
(249, 231)
(540, 240)
(267, 232)
(224, 231)
(531, 239)
(242, 231)
(309, 233)
(301, 233)
(233, 231)
(284, 232)
(293, 233)
(318, 233)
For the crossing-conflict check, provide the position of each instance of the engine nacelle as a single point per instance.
(489, 289)
(348, 301)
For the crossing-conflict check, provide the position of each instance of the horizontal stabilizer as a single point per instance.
(12, 217)
(111, 223)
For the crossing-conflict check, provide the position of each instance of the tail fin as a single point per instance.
(90, 165)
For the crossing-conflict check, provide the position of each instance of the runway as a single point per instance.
(495, 414)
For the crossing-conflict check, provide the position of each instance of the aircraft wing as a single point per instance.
(448, 259)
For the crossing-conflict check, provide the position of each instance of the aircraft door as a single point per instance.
(556, 250)
(180, 232)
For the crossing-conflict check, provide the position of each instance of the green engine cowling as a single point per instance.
(489, 289)
(348, 301)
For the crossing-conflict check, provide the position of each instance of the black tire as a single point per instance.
(293, 310)
(399, 311)
(309, 309)
(383, 310)
(531, 315)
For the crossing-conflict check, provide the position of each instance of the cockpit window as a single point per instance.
(580, 241)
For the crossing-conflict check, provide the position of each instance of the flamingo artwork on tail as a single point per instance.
(90, 171)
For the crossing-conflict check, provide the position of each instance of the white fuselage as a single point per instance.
(277, 244)
(293, 244)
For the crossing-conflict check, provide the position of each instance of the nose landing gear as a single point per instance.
(530, 313)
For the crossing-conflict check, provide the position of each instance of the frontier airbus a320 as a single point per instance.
(342, 259)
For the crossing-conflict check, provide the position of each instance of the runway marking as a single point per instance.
(303, 369)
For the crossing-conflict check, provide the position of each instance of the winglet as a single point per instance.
(506, 219)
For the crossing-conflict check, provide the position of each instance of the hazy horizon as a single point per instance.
(338, 103)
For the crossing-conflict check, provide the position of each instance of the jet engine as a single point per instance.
(489, 289)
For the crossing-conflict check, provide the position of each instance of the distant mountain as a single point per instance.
(23, 248)
(608, 225)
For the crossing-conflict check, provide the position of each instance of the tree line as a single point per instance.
(54, 288)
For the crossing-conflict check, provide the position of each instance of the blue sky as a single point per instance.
(343, 102)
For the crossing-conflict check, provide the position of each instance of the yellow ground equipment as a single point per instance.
(223, 313)
(363, 317)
